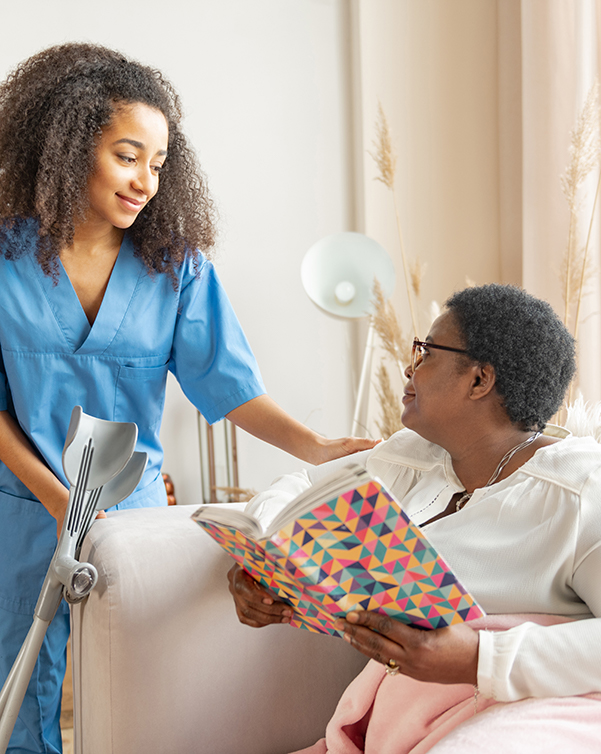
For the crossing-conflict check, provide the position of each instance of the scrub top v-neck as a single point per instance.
(70, 315)
(53, 359)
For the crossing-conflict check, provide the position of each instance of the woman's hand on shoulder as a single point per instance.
(442, 655)
(254, 605)
(263, 418)
(328, 450)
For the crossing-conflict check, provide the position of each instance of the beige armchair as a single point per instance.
(161, 664)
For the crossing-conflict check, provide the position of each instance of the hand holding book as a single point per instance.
(255, 606)
(444, 655)
(344, 544)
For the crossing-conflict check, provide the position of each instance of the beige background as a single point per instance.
(481, 98)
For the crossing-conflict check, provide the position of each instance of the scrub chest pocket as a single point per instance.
(140, 391)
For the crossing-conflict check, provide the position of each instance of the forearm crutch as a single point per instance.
(102, 470)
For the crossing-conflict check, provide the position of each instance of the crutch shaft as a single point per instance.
(9, 679)
(20, 680)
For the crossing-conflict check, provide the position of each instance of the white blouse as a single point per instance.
(528, 544)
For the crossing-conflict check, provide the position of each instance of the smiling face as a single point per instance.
(129, 157)
(437, 393)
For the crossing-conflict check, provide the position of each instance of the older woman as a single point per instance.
(515, 512)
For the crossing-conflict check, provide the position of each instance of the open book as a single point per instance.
(344, 544)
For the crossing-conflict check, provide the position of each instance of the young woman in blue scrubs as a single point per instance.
(104, 289)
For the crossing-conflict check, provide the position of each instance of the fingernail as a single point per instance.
(267, 601)
(287, 613)
(285, 619)
(347, 638)
(352, 617)
(339, 624)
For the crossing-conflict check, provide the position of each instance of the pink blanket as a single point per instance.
(381, 714)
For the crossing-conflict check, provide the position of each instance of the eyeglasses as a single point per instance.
(420, 348)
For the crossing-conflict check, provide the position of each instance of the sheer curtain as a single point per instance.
(560, 63)
(480, 99)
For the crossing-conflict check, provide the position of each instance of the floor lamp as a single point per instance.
(338, 274)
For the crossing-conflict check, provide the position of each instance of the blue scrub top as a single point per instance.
(53, 360)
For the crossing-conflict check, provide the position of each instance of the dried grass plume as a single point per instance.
(389, 404)
(389, 331)
(238, 494)
(385, 160)
(384, 155)
(584, 148)
(584, 419)
(584, 157)
(417, 271)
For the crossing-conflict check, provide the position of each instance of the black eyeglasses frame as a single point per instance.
(425, 344)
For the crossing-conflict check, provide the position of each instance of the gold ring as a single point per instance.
(392, 668)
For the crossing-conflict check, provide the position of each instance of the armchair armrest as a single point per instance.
(161, 663)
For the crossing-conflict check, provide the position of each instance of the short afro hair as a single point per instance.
(532, 352)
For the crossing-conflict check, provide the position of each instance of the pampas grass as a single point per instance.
(385, 159)
(587, 269)
(417, 271)
(583, 419)
(396, 345)
(389, 331)
(238, 494)
(584, 157)
(389, 404)
(384, 156)
(577, 270)
(577, 273)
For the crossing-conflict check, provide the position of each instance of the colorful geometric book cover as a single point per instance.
(358, 551)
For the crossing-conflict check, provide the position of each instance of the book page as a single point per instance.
(228, 515)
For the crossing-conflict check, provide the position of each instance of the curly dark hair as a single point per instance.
(531, 350)
(52, 109)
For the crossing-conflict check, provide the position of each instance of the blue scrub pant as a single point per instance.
(37, 728)
(27, 543)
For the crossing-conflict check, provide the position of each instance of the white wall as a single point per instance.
(264, 88)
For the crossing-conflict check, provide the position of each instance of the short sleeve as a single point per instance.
(211, 357)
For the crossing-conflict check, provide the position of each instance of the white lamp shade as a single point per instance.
(338, 274)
